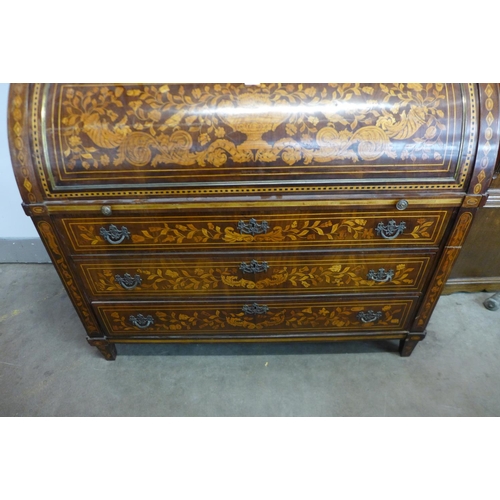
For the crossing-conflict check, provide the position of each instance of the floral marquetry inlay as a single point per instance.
(313, 231)
(324, 317)
(62, 266)
(204, 278)
(207, 212)
(104, 126)
(297, 230)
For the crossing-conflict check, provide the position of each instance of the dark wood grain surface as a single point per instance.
(226, 212)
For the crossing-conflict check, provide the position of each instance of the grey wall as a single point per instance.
(19, 241)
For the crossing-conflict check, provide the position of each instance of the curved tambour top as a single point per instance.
(136, 140)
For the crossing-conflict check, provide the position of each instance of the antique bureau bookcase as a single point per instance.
(274, 212)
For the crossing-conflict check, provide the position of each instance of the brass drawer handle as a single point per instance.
(380, 276)
(114, 235)
(391, 230)
(369, 316)
(254, 309)
(141, 321)
(254, 267)
(127, 281)
(253, 227)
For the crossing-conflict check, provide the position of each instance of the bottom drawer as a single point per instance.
(269, 318)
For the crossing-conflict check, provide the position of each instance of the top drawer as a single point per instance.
(267, 230)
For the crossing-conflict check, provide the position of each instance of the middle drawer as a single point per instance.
(274, 273)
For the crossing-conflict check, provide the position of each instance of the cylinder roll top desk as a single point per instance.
(246, 213)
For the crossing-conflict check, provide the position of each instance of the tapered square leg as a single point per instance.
(407, 345)
(107, 349)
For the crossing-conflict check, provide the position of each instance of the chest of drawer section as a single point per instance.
(247, 272)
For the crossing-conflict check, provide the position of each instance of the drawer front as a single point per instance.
(263, 273)
(195, 232)
(261, 318)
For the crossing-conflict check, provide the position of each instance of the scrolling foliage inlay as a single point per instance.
(21, 151)
(216, 125)
(62, 266)
(299, 230)
(304, 277)
(447, 260)
(305, 318)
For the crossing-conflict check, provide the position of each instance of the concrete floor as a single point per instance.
(48, 369)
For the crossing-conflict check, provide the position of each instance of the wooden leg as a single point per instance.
(407, 345)
(107, 349)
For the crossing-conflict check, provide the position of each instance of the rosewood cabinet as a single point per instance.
(234, 213)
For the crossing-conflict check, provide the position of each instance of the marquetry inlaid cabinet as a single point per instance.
(235, 213)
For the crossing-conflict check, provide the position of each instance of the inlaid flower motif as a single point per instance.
(217, 157)
(74, 141)
(267, 156)
(135, 105)
(154, 115)
(220, 132)
(313, 119)
(290, 156)
(203, 139)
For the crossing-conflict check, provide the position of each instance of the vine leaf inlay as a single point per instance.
(309, 317)
(206, 279)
